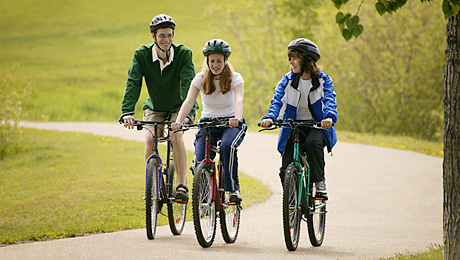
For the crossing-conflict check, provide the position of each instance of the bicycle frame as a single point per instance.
(216, 194)
(305, 171)
(157, 156)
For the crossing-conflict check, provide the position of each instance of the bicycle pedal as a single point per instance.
(180, 201)
(232, 203)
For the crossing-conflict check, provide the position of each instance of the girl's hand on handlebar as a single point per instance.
(128, 122)
(326, 123)
(266, 123)
(176, 126)
(233, 122)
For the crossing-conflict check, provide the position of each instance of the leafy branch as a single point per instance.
(349, 24)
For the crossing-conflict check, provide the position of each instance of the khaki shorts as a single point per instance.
(150, 115)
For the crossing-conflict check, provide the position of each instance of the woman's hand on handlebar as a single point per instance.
(233, 122)
(128, 121)
(266, 123)
(326, 123)
(176, 126)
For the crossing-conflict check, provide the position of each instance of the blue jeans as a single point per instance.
(230, 138)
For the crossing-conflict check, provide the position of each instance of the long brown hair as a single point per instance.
(208, 78)
(310, 67)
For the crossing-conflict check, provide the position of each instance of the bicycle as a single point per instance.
(208, 195)
(299, 200)
(159, 185)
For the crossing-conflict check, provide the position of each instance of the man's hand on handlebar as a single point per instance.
(128, 121)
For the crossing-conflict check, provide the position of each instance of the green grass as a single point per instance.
(77, 54)
(71, 184)
(434, 253)
(397, 142)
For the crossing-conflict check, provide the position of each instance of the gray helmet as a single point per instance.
(305, 46)
(217, 46)
(162, 21)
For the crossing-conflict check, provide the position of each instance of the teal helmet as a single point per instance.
(217, 46)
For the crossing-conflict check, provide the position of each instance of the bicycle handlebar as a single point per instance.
(293, 124)
(215, 122)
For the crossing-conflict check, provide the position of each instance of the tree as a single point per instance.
(349, 26)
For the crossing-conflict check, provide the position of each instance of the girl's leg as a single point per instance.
(231, 139)
(314, 147)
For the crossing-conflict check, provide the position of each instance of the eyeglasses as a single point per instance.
(164, 36)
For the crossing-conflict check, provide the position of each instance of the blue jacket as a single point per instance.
(286, 99)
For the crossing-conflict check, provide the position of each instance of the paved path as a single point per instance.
(382, 202)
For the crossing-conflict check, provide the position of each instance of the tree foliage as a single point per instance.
(261, 31)
(390, 79)
(349, 24)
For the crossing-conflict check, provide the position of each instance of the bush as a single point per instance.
(11, 111)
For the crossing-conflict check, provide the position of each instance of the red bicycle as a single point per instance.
(209, 197)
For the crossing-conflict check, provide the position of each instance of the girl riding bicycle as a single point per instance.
(305, 93)
(222, 92)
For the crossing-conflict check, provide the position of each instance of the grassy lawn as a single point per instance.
(72, 184)
(434, 253)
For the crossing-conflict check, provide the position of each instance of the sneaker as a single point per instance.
(321, 190)
(235, 196)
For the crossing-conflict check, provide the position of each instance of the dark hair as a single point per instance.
(306, 62)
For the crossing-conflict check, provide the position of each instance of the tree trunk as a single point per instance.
(451, 167)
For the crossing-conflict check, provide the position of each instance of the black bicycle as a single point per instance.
(160, 184)
(299, 200)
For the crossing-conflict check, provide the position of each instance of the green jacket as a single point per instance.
(168, 89)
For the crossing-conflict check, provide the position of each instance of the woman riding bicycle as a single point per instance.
(222, 92)
(305, 93)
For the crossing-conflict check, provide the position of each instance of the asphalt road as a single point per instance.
(381, 202)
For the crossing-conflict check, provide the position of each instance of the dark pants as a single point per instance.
(312, 141)
(230, 138)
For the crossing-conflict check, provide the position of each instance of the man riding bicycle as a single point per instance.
(168, 70)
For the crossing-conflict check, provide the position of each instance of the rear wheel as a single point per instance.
(316, 220)
(291, 210)
(176, 211)
(151, 197)
(229, 220)
(204, 209)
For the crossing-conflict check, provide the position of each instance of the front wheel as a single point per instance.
(291, 210)
(151, 197)
(204, 209)
(229, 220)
(176, 211)
(316, 220)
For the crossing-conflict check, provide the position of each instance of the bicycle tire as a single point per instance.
(292, 214)
(176, 211)
(229, 220)
(151, 197)
(316, 220)
(204, 209)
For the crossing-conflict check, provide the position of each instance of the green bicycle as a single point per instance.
(299, 201)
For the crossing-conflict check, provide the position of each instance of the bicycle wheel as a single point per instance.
(204, 209)
(316, 220)
(291, 211)
(151, 197)
(229, 220)
(176, 211)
